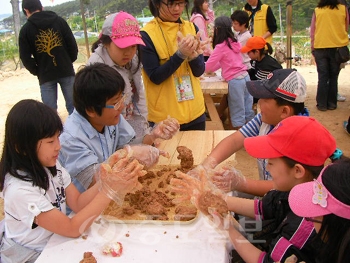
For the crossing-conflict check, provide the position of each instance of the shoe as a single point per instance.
(345, 125)
(331, 107)
(340, 98)
(321, 108)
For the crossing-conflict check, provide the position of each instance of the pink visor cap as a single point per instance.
(123, 29)
(312, 199)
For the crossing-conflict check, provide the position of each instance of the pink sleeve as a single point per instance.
(200, 23)
(213, 63)
(210, 16)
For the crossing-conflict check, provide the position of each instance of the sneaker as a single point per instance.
(340, 98)
(345, 125)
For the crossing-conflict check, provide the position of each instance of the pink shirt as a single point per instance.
(229, 60)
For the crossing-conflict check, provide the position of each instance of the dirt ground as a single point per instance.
(20, 84)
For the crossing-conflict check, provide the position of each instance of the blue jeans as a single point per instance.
(240, 102)
(49, 92)
(328, 70)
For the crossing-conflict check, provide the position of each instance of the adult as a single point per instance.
(203, 17)
(172, 65)
(262, 21)
(328, 31)
(48, 49)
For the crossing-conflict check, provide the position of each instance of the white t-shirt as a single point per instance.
(23, 201)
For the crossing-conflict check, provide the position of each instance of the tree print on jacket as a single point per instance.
(47, 40)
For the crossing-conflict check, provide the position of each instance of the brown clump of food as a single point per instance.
(186, 158)
(88, 258)
(153, 202)
(208, 199)
(185, 213)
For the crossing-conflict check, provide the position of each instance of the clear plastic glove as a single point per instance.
(224, 221)
(200, 192)
(147, 155)
(166, 129)
(187, 186)
(186, 45)
(228, 179)
(208, 164)
(119, 176)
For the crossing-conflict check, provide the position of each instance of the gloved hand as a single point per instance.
(147, 155)
(186, 45)
(188, 187)
(207, 164)
(166, 129)
(228, 179)
(119, 176)
(224, 222)
(201, 194)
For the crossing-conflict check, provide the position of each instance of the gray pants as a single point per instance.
(11, 252)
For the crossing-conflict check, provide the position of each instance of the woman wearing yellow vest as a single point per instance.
(172, 64)
(262, 22)
(328, 31)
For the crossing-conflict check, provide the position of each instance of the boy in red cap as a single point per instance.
(297, 149)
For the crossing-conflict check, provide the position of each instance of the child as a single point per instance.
(275, 106)
(226, 56)
(240, 24)
(96, 127)
(289, 166)
(36, 188)
(262, 63)
(326, 203)
(118, 47)
(203, 17)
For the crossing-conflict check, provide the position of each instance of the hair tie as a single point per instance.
(336, 155)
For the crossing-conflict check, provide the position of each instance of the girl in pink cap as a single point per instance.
(326, 203)
(118, 46)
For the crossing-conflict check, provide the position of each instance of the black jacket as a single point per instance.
(47, 46)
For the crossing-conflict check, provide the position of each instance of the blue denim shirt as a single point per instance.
(83, 146)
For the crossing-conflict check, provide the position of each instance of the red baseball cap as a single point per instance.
(253, 43)
(302, 139)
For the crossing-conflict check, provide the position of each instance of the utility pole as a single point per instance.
(16, 21)
(289, 33)
(84, 27)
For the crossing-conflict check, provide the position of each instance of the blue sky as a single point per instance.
(6, 7)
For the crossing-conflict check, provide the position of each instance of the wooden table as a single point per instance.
(213, 85)
(152, 241)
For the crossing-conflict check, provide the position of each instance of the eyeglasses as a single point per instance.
(172, 5)
(117, 105)
(311, 219)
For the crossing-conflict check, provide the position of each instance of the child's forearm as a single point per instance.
(245, 249)
(256, 187)
(241, 206)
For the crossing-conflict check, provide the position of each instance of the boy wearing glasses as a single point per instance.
(96, 128)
